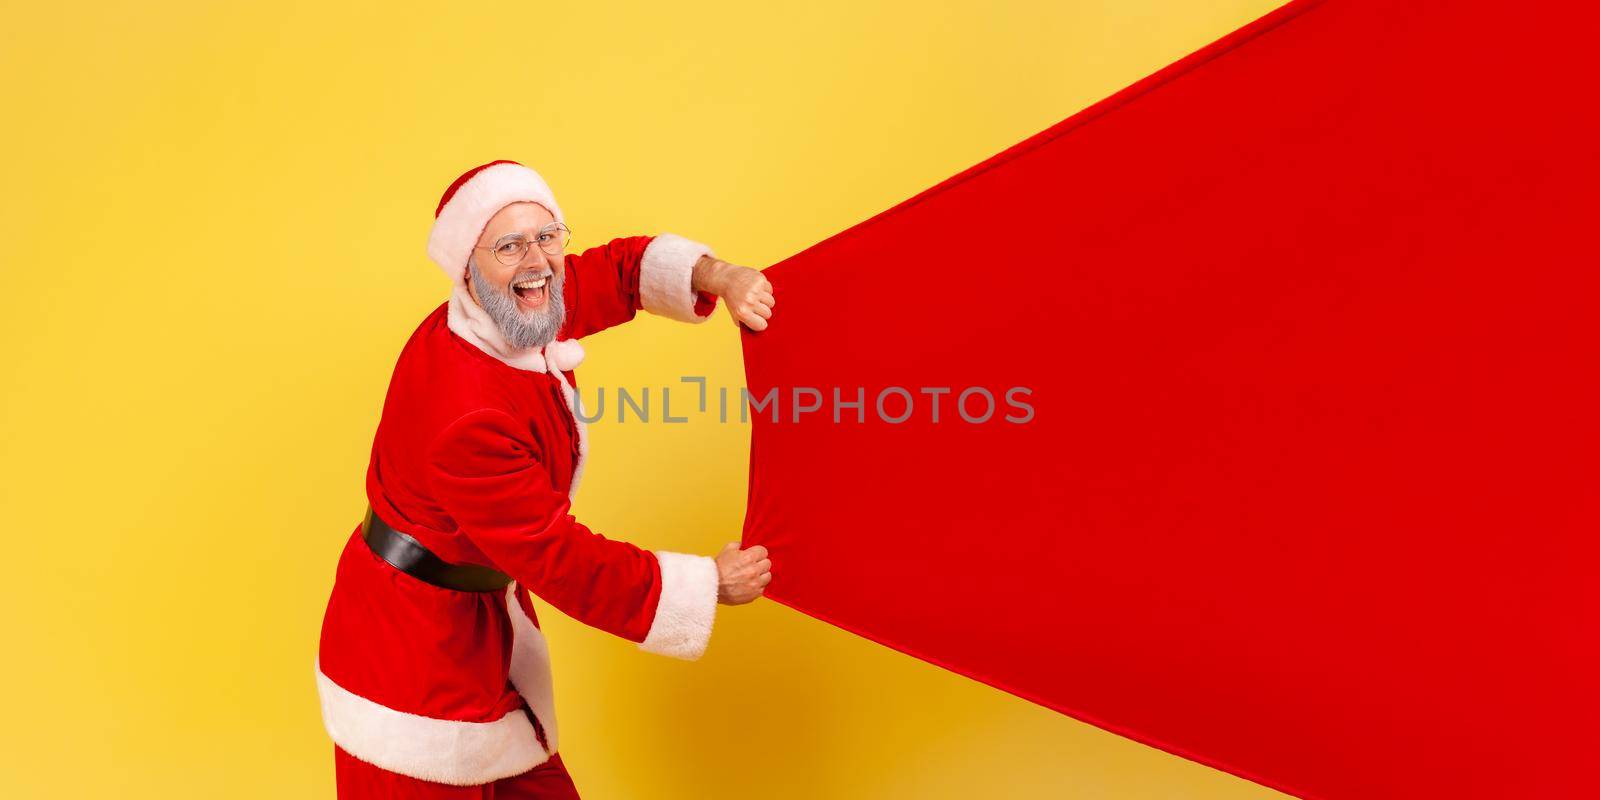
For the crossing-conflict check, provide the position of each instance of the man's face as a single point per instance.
(524, 298)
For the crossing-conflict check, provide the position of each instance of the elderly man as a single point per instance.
(432, 672)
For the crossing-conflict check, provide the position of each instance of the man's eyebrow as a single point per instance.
(523, 234)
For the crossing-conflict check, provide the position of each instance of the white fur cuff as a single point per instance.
(665, 285)
(682, 626)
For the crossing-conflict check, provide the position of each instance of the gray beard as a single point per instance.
(521, 330)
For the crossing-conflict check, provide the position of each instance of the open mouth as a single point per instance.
(532, 292)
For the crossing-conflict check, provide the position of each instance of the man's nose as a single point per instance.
(532, 261)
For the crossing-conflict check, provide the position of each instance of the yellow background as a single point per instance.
(213, 221)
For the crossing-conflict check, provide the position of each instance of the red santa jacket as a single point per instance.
(477, 456)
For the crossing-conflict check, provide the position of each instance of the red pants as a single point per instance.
(358, 780)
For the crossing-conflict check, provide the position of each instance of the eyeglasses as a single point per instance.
(511, 248)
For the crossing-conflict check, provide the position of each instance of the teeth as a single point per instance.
(533, 284)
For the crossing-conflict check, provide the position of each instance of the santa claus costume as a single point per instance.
(433, 676)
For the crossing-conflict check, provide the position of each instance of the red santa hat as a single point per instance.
(468, 204)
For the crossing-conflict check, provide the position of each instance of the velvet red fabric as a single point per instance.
(1296, 476)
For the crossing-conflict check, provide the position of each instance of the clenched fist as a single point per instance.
(742, 575)
(746, 292)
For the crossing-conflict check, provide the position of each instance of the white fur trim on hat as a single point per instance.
(665, 277)
(459, 224)
(688, 605)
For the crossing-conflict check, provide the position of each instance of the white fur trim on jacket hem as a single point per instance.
(440, 750)
(682, 625)
(459, 224)
(665, 277)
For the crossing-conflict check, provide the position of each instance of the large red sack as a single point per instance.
(1309, 491)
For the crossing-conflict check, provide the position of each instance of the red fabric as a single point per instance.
(475, 458)
(1308, 493)
(355, 779)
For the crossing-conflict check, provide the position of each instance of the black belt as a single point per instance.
(409, 556)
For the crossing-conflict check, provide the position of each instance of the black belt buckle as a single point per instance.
(409, 556)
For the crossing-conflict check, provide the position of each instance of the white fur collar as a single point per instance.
(472, 323)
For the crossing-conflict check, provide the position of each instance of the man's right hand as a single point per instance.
(742, 575)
